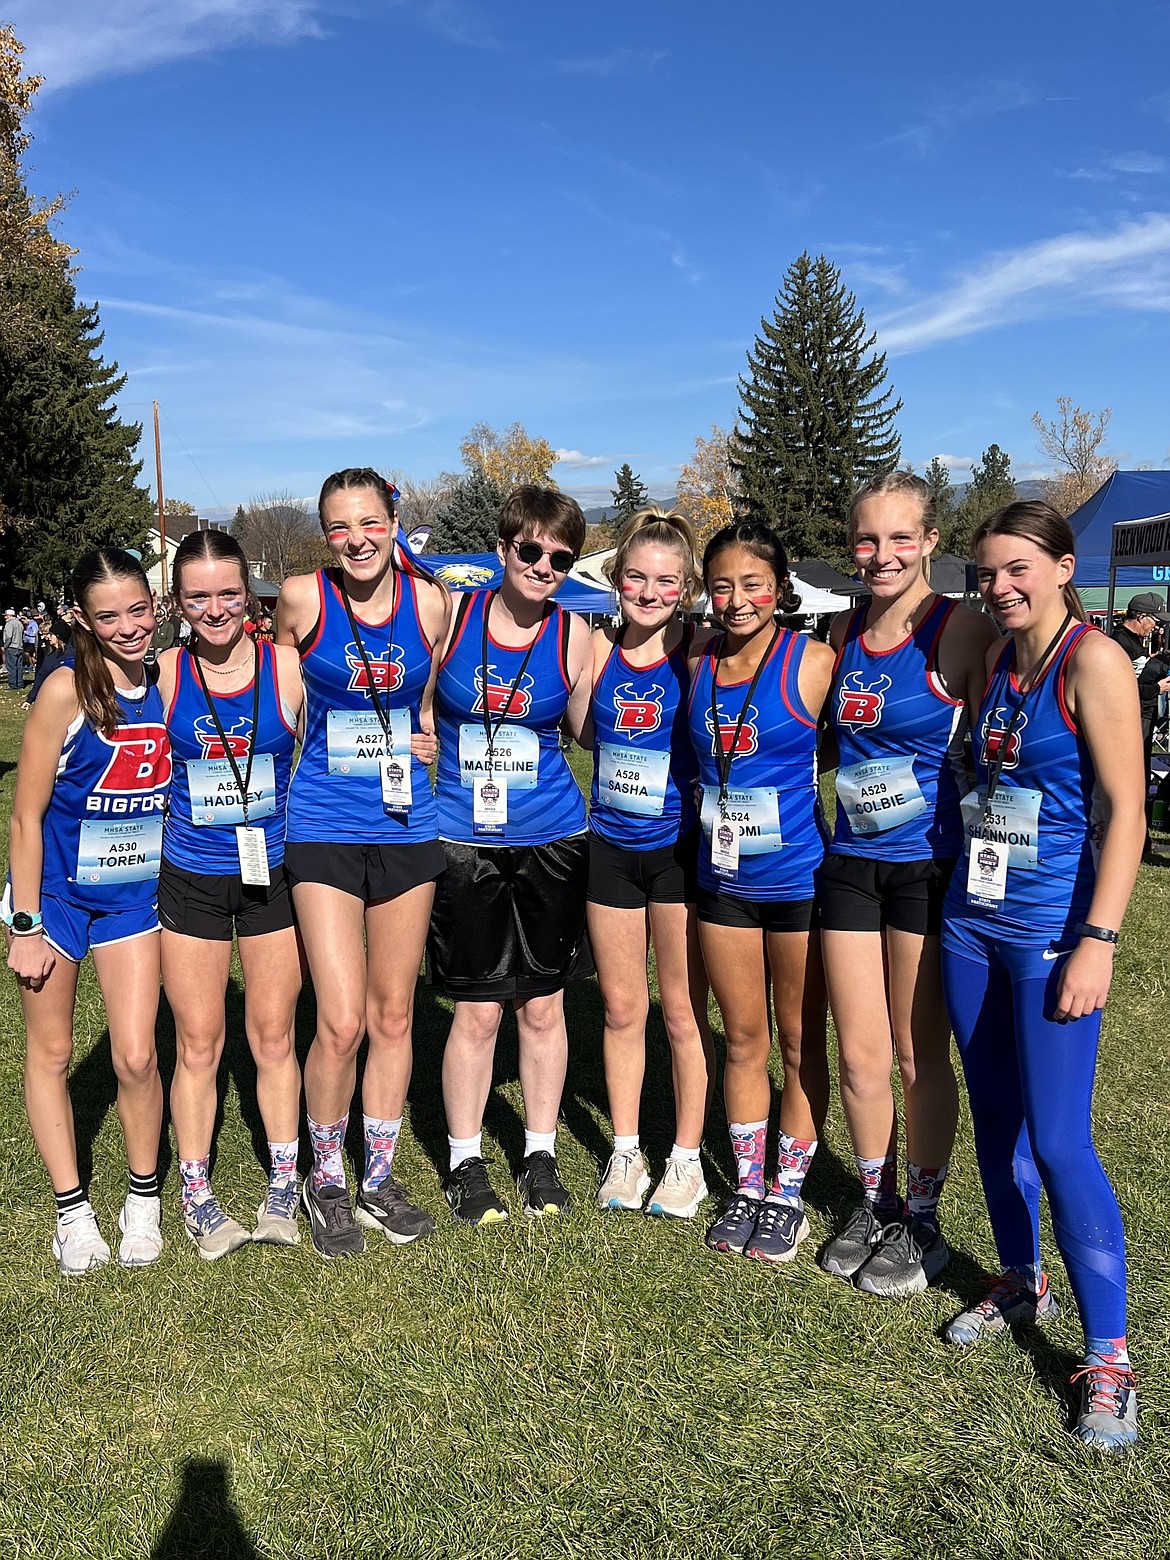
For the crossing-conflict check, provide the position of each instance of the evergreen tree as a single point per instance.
(68, 477)
(469, 520)
(629, 495)
(991, 487)
(815, 418)
(937, 477)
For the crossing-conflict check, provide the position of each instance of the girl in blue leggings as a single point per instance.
(1053, 836)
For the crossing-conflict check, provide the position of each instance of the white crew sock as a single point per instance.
(540, 1142)
(465, 1148)
(625, 1145)
(687, 1155)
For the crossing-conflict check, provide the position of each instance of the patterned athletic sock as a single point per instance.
(748, 1143)
(686, 1156)
(70, 1201)
(143, 1185)
(923, 1189)
(1030, 1275)
(879, 1184)
(194, 1186)
(1106, 1351)
(381, 1138)
(327, 1142)
(625, 1145)
(792, 1162)
(460, 1149)
(282, 1162)
(540, 1142)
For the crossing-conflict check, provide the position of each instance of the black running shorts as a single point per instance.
(371, 873)
(631, 879)
(509, 920)
(783, 915)
(212, 905)
(862, 894)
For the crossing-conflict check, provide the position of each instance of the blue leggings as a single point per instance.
(1030, 1082)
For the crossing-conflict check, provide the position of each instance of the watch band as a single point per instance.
(1101, 933)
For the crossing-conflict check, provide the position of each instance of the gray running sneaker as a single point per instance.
(1008, 1303)
(331, 1221)
(909, 1256)
(387, 1208)
(853, 1244)
(213, 1232)
(1108, 1416)
(276, 1217)
(733, 1228)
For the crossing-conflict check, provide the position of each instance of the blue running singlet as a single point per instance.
(544, 801)
(900, 741)
(1046, 805)
(644, 767)
(772, 790)
(204, 808)
(336, 789)
(103, 827)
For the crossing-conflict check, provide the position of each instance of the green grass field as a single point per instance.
(602, 1386)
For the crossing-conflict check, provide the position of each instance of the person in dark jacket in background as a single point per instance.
(59, 651)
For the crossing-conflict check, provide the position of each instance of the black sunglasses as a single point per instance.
(560, 561)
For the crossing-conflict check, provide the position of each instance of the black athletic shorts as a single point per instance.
(509, 920)
(370, 873)
(862, 894)
(628, 879)
(210, 904)
(783, 915)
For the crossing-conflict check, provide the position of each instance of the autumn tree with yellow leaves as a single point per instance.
(508, 458)
(1074, 440)
(708, 489)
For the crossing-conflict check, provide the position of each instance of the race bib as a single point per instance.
(632, 781)
(253, 851)
(880, 794)
(215, 796)
(987, 868)
(112, 852)
(753, 816)
(515, 760)
(356, 743)
(1013, 819)
(489, 805)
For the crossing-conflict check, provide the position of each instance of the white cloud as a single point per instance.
(955, 463)
(1138, 162)
(1127, 268)
(71, 41)
(575, 460)
(616, 62)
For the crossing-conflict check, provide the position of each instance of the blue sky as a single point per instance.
(325, 232)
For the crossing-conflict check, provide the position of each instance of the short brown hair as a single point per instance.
(528, 509)
(1035, 521)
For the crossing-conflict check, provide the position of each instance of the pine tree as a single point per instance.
(68, 477)
(629, 495)
(937, 477)
(816, 418)
(991, 487)
(469, 520)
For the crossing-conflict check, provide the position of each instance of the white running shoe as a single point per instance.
(680, 1192)
(77, 1244)
(141, 1224)
(625, 1182)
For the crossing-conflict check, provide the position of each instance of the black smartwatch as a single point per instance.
(1101, 933)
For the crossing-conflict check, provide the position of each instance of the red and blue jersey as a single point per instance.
(644, 767)
(336, 789)
(544, 800)
(205, 806)
(1046, 808)
(772, 790)
(103, 827)
(900, 741)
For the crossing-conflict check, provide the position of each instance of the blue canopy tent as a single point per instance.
(1127, 495)
(476, 571)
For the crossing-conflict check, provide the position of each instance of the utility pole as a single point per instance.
(162, 518)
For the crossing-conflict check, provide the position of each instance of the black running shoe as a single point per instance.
(541, 1187)
(471, 1195)
(331, 1221)
(387, 1208)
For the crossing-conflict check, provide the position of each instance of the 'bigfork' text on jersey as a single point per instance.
(772, 796)
(205, 806)
(644, 767)
(336, 791)
(543, 800)
(900, 743)
(104, 824)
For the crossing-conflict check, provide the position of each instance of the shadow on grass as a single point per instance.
(205, 1524)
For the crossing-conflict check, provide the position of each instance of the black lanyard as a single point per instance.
(489, 730)
(383, 714)
(245, 780)
(725, 758)
(995, 766)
